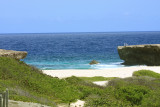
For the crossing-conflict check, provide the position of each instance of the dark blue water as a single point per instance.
(75, 50)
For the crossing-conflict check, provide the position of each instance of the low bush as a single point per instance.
(128, 92)
(79, 81)
(108, 99)
(152, 99)
(133, 94)
(14, 73)
(146, 73)
(85, 87)
(97, 78)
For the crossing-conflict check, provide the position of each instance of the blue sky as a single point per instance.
(42, 16)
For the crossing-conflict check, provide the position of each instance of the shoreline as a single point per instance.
(121, 72)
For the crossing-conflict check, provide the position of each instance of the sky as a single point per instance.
(49, 16)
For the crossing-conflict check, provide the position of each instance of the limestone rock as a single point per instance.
(94, 62)
(13, 54)
(140, 54)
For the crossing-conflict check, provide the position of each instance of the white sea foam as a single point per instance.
(110, 65)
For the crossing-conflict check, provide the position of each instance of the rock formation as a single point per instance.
(14, 54)
(94, 62)
(140, 54)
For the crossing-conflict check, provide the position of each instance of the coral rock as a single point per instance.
(94, 62)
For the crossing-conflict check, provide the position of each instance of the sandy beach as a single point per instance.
(122, 72)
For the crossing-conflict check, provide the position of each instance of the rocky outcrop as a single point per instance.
(140, 54)
(94, 62)
(13, 54)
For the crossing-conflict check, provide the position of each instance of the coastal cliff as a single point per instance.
(13, 54)
(140, 54)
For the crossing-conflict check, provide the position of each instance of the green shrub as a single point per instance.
(85, 87)
(97, 78)
(79, 81)
(133, 94)
(98, 101)
(108, 99)
(14, 73)
(146, 73)
(152, 99)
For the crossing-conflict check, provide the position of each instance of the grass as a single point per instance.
(146, 73)
(97, 78)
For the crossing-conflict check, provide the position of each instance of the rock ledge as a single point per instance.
(13, 54)
(148, 54)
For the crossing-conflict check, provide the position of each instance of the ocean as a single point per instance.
(75, 50)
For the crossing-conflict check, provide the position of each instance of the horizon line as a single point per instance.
(78, 32)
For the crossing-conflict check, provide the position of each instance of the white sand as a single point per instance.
(109, 72)
(101, 83)
(78, 103)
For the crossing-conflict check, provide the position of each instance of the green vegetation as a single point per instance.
(97, 78)
(146, 73)
(128, 92)
(27, 83)
(86, 87)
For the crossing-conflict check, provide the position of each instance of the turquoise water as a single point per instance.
(75, 50)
